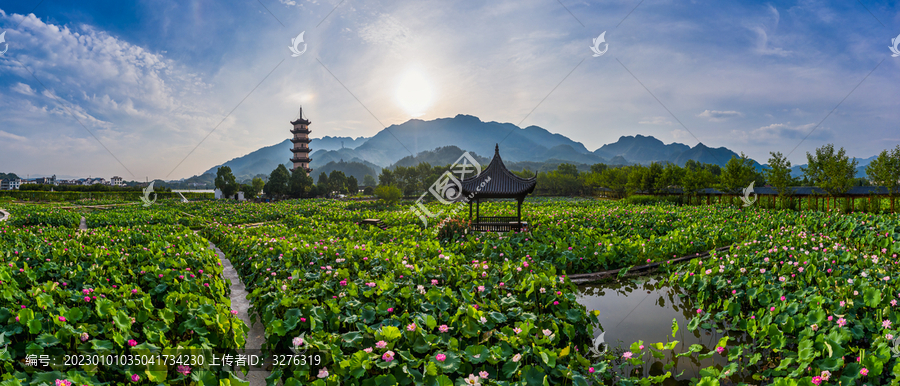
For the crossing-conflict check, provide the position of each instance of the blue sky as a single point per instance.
(152, 79)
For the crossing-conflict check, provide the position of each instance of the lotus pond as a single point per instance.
(799, 298)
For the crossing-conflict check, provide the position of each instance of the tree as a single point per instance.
(695, 180)
(352, 186)
(250, 190)
(598, 168)
(368, 180)
(389, 194)
(278, 182)
(226, 182)
(737, 175)
(832, 171)
(257, 184)
(337, 181)
(616, 180)
(567, 169)
(779, 176)
(300, 184)
(635, 179)
(884, 170)
(322, 185)
(670, 177)
(386, 177)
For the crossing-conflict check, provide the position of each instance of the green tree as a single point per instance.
(779, 174)
(831, 170)
(258, 185)
(278, 182)
(635, 179)
(737, 175)
(226, 182)
(352, 186)
(615, 179)
(300, 184)
(386, 177)
(695, 180)
(567, 169)
(337, 181)
(368, 180)
(389, 194)
(323, 185)
(598, 168)
(884, 171)
(670, 177)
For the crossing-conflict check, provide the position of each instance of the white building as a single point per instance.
(218, 195)
(116, 181)
(10, 184)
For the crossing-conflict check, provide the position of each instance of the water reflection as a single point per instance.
(643, 309)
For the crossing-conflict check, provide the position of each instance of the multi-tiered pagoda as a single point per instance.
(301, 148)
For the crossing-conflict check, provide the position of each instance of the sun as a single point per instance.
(415, 92)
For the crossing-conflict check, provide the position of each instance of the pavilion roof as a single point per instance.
(498, 181)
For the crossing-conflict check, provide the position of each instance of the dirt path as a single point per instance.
(256, 335)
(83, 225)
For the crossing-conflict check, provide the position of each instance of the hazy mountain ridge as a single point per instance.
(442, 141)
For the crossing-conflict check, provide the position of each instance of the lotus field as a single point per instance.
(811, 296)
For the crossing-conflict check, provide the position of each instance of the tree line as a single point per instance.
(283, 183)
(827, 168)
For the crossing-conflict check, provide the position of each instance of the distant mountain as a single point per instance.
(442, 141)
(266, 159)
(641, 149)
(441, 156)
(861, 165)
(335, 143)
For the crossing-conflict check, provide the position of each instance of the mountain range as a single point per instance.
(441, 142)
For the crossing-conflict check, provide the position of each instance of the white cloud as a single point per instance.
(655, 121)
(718, 116)
(778, 132)
(23, 88)
(12, 136)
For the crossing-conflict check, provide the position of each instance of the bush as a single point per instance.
(389, 194)
(368, 191)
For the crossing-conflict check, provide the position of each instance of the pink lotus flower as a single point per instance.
(132, 342)
(135, 377)
(62, 318)
(886, 324)
(817, 380)
(591, 370)
(443, 328)
(842, 322)
(864, 371)
(411, 327)
(627, 355)
(184, 370)
(87, 298)
(440, 357)
(388, 356)
(381, 344)
(720, 350)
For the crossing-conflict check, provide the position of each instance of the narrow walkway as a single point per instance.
(257, 334)
(5, 215)
(83, 225)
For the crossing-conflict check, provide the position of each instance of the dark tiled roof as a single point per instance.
(502, 184)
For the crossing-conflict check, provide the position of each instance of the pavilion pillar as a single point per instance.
(519, 213)
(470, 210)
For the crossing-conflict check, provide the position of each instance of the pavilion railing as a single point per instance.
(498, 224)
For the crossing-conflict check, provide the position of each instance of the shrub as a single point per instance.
(389, 194)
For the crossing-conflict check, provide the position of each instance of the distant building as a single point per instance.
(217, 194)
(10, 184)
(301, 140)
(116, 181)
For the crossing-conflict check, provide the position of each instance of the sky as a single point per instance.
(167, 89)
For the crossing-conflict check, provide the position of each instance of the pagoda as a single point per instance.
(301, 140)
(497, 182)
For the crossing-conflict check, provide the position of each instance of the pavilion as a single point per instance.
(495, 181)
